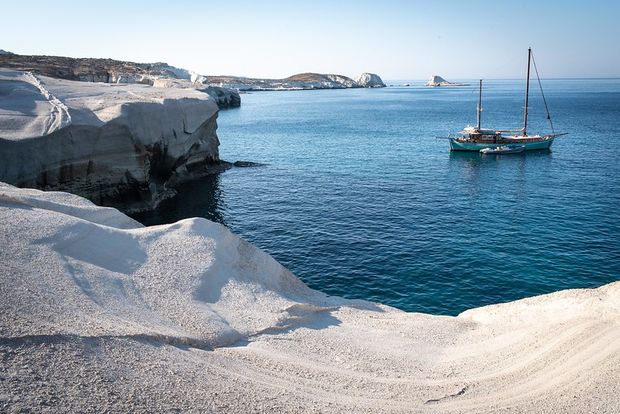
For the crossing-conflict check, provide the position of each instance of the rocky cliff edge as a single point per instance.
(126, 145)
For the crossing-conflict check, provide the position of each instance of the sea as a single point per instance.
(359, 198)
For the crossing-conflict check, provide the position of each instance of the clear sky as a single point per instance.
(396, 39)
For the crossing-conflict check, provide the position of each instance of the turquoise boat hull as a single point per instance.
(456, 145)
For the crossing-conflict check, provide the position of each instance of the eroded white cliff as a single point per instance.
(113, 143)
(370, 80)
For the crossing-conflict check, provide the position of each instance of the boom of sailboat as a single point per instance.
(493, 141)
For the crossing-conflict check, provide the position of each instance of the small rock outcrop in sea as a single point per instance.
(436, 80)
(121, 145)
(370, 80)
(247, 164)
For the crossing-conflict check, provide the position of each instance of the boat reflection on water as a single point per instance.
(474, 168)
(479, 158)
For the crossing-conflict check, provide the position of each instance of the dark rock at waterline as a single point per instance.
(225, 97)
(246, 164)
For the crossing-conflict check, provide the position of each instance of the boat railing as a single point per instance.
(509, 130)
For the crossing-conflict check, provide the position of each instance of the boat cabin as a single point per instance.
(479, 134)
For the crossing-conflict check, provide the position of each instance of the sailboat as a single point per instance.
(476, 138)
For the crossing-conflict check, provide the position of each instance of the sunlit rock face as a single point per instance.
(122, 145)
(224, 97)
(370, 80)
(436, 80)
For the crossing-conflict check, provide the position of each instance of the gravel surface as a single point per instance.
(99, 314)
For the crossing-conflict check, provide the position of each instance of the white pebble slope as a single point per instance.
(98, 313)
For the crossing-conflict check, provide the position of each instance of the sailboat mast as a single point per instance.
(479, 105)
(527, 90)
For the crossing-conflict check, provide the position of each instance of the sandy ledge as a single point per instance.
(98, 313)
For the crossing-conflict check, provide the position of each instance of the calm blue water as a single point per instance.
(360, 200)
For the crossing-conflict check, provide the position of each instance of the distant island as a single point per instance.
(436, 80)
(162, 74)
(301, 81)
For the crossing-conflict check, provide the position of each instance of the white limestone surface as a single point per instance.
(370, 80)
(104, 141)
(98, 313)
(27, 108)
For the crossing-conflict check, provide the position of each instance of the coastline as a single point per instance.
(100, 311)
(191, 304)
(172, 241)
(125, 145)
(123, 134)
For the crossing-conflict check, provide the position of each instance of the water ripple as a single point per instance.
(359, 200)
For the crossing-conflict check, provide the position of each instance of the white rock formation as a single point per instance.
(300, 81)
(179, 73)
(340, 80)
(156, 71)
(104, 141)
(370, 80)
(439, 81)
(224, 97)
(100, 313)
(27, 108)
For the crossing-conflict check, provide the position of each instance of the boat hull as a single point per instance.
(457, 145)
(503, 150)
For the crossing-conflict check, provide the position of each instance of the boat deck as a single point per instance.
(503, 140)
